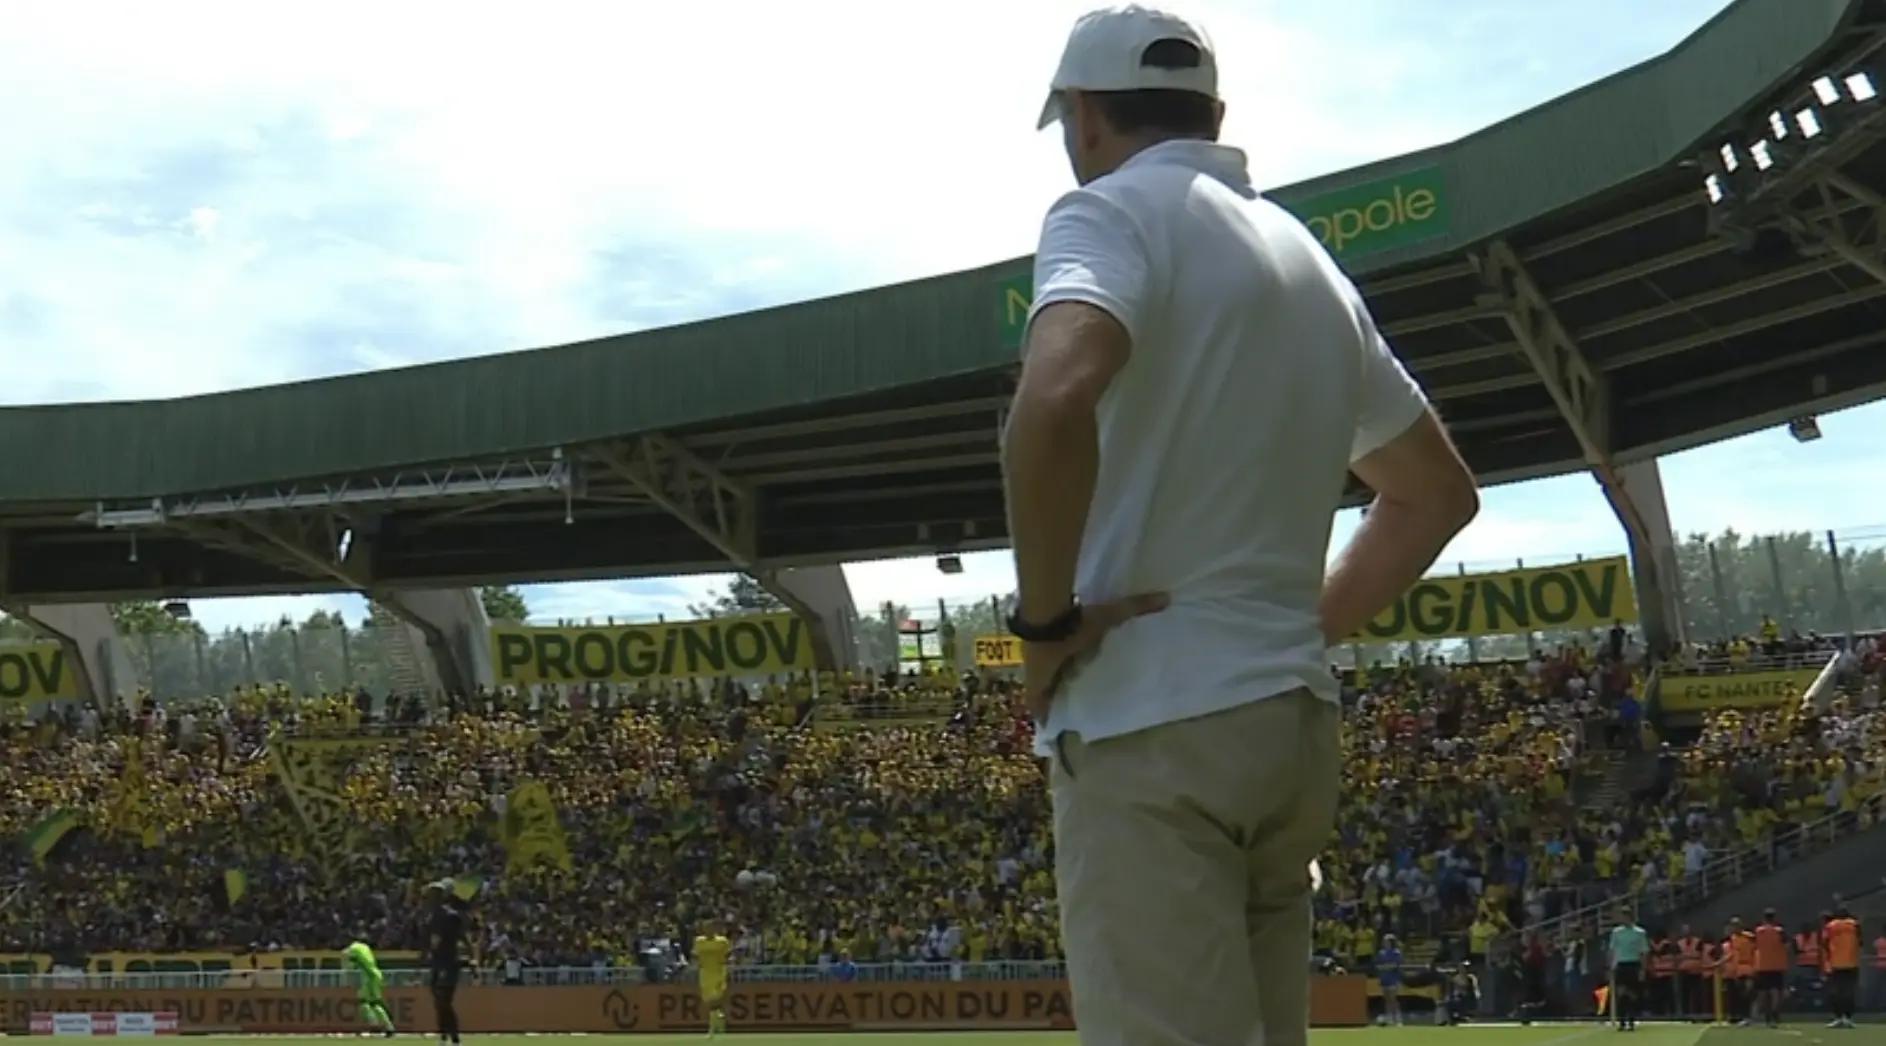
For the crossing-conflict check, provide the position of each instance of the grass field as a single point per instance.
(1539, 1035)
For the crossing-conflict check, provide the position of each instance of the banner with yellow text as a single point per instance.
(36, 671)
(1588, 594)
(734, 646)
(1734, 689)
(1000, 651)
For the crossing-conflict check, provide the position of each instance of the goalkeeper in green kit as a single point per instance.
(360, 958)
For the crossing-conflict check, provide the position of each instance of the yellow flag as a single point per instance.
(235, 884)
(47, 834)
(532, 832)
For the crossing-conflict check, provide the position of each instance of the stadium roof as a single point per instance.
(1559, 282)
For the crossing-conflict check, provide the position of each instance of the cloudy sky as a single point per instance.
(201, 196)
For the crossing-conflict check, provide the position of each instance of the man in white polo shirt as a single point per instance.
(1199, 375)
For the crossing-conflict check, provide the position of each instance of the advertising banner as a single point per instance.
(1000, 651)
(36, 671)
(760, 645)
(1708, 693)
(1378, 215)
(1588, 594)
(669, 1008)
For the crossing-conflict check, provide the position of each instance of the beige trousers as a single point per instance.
(1181, 861)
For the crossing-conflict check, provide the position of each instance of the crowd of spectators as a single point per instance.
(917, 841)
(1769, 648)
(1471, 807)
(1475, 800)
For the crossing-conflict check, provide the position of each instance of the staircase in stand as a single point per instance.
(1611, 789)
(403, 671)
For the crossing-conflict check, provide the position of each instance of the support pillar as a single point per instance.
(723, 510)
(92, 642)
(1639, 488)
(825, 593)
(1582, 393)
(451, 627)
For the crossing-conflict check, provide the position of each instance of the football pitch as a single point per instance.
(1537, 1035)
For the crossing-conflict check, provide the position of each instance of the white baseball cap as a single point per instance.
(1107, 49)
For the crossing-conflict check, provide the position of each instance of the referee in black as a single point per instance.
(447, 932)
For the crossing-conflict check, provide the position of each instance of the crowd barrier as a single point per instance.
(830, 1007)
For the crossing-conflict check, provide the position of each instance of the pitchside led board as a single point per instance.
(36, 671)
(749, 647)
(1588, 594)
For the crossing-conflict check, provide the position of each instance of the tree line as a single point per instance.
(1790, 577)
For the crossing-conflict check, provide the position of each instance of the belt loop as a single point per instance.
(1060, 750)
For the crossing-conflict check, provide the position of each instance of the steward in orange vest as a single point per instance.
(1692, 961)
(1807, 949)
(1843, 965)
(1663, 958)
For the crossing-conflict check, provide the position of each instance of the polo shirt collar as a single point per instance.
(1223, 162)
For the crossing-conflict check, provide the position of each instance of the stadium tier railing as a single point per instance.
(1721, 666)
(529, 976)
(839, 714)
(1014, 970)
(1731, 870)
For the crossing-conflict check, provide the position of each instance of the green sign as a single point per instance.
(1012, 309)
(1378, 215)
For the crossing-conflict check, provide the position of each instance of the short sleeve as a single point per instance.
(1091, 251)
(1389, 399)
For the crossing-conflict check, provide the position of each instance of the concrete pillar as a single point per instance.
(93, 644)
(825, 593)
(1653, 554)
(450, 625)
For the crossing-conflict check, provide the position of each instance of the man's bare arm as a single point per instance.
(1424, 495)
(1051, 453)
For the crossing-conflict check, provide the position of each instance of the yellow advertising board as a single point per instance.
(734, 646)
(1591, 593)
(1708, 693)
(39, 670)
(1001, 651)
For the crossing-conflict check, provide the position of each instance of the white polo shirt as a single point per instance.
(1256, 377)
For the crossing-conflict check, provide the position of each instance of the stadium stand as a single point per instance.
(1469, 812)
(1477, 802)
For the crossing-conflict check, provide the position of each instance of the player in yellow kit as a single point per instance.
(712, 952)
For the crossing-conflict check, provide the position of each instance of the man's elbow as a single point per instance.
(1051, 408)
(1462, 501)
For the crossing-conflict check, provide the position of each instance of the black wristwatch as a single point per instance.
(1058, 630)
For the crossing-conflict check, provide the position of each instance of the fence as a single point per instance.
(1731, 870)
(1828, 582)
(529, 976)
(310, 659)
